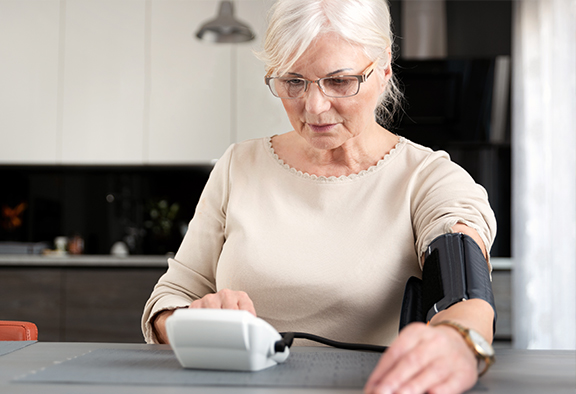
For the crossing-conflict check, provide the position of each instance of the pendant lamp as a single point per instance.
(225, 28)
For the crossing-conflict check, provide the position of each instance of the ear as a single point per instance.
(387, 72)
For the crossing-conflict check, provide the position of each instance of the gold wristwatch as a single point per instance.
(483, 351)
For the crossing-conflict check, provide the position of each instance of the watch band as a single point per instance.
(482, 350)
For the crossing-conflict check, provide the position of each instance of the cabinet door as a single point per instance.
(34, 295)
(103, 108)
(259, 114)
(502, 287)
(190, 84)
(106, 304)
(28, 81)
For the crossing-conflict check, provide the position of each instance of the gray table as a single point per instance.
(516, 371)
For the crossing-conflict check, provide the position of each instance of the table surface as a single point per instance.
(515, 371)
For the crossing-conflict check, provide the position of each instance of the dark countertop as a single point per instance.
(30, 260)
(24, 260)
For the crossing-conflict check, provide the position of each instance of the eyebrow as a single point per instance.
(339, 71)
(328, 75)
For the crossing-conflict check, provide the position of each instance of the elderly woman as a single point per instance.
(318, 229)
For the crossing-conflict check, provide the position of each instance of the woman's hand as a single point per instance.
(425, 359)
(224, 299)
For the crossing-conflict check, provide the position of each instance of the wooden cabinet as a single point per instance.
(78, 304)
(502, 288)
(105, 304)
(33, 295)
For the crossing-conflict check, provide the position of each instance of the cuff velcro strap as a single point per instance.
(454, 270)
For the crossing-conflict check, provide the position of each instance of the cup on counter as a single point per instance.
(119, 249)
(61, 244)
(76, 245)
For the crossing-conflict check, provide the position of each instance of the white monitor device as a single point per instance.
(223, 339)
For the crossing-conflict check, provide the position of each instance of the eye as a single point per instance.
(293, 82)
(338, 81)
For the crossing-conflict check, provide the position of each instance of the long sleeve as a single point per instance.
(329, 256)
(444, 194)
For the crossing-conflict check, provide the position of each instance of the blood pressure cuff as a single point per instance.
(454, 270)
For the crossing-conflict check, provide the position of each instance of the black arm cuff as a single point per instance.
(454, 270)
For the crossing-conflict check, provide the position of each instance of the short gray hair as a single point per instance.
(294, 24)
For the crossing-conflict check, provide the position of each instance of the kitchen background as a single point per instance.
(113, 113)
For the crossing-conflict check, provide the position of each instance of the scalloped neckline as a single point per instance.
(371, 169)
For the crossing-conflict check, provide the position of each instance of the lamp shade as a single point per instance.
(225, 28)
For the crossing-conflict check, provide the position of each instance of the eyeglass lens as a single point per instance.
(331, 86)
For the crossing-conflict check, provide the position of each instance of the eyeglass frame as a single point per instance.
(360, 77)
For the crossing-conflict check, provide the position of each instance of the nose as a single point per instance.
(316, 101)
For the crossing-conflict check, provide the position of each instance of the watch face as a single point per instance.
(482, 346)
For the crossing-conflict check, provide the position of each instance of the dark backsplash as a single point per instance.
(146, 207)
(449, 107)
(108, 204)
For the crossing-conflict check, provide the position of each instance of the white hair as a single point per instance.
(294, 24)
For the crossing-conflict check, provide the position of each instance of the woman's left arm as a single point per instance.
(435, 359)
(479, 315)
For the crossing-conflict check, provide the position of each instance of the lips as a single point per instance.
(321, 128)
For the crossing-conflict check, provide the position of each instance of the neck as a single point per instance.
(355, 155)
(349, 158)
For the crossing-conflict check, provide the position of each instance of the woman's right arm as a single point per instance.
(191, 273)
(159, 325)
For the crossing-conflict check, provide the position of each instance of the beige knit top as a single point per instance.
(326, 256)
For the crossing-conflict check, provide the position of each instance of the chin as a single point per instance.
(325, 142)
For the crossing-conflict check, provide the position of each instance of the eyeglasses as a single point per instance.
(338, 86)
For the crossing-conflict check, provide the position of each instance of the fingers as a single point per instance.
(427, 378)
(424, 359)
(226, 299)
(246, 304)
(401, 361)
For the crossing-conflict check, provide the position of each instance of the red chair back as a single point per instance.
(18, 331)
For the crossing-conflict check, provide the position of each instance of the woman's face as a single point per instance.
(327, 122)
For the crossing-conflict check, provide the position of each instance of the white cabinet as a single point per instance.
(190, 103)
(29, 43)
(205, 96)
(127, 82)
(259, 113)
(103, 85)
